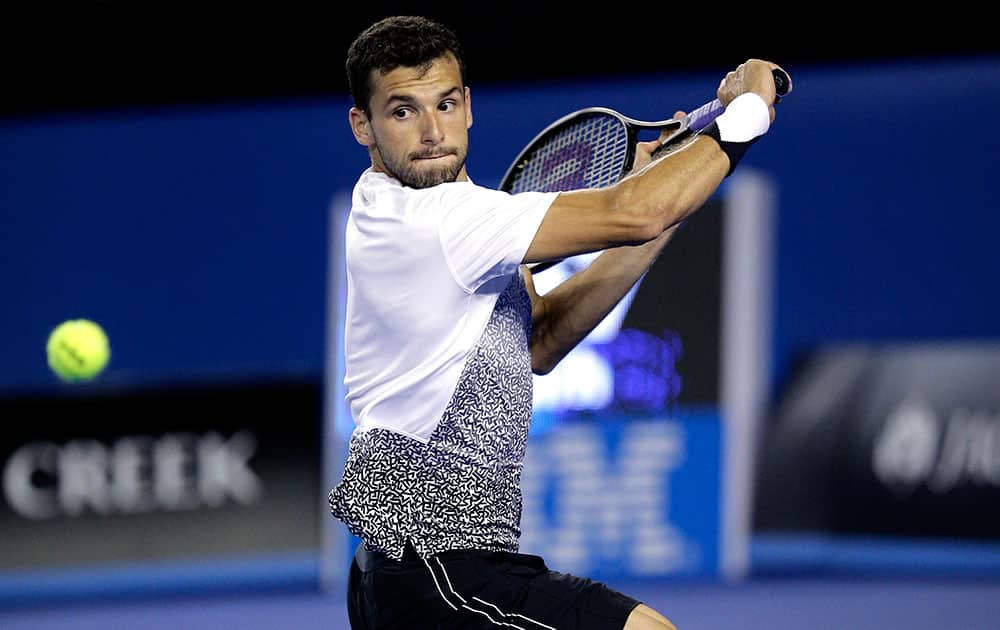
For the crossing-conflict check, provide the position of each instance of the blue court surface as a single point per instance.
(807, 603)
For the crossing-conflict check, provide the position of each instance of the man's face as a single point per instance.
(418, 127)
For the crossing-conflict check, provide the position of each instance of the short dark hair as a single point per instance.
(399, 41)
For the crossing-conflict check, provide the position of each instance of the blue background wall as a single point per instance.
(198, 236)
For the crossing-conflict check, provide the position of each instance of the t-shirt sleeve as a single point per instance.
(485, 233)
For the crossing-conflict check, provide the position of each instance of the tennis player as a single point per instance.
(444, 330)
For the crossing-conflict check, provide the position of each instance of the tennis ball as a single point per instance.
(78, 350)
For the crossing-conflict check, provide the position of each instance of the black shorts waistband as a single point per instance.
(373, 560)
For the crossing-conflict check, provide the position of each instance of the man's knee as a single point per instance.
(645, 618)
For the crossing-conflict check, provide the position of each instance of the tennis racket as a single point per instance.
(595, 147)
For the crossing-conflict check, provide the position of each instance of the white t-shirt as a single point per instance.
(424, 270)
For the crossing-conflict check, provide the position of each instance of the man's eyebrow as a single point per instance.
(406, 99)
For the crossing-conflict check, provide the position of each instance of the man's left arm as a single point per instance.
(564, 316)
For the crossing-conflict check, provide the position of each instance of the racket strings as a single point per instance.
(588, 153)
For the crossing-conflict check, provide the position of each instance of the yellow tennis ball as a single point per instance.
(78, 350)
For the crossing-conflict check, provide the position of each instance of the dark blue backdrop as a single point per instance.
(198, 236)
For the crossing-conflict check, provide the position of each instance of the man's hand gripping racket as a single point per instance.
(595, 147)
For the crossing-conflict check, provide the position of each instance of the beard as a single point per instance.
(412, 171)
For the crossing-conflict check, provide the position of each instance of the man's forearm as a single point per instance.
(570, 311)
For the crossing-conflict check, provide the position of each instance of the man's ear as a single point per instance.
(468, 108)
(361, 127)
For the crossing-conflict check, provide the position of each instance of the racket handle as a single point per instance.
(699, 118)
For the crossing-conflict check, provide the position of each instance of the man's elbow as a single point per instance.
(638, 222)
(541, 368)
(543, 363)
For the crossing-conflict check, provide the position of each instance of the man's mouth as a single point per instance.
(432, 156)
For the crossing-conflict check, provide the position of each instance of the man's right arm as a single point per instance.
(646, 203)
(634, 211)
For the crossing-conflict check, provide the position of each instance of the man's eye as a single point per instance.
(401, 113)
(447, 106)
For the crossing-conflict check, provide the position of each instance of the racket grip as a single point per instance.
(699, 118)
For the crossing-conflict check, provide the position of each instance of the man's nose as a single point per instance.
(432, 131)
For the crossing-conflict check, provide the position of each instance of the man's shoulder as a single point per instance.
(376, 189)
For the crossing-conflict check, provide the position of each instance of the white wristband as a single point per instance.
(746, 117)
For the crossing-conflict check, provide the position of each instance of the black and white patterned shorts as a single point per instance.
(477, 589)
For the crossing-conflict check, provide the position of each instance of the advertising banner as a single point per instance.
(97, 480)
(886, 444)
